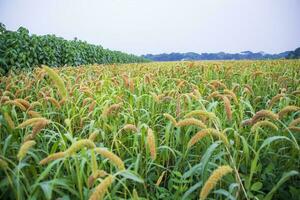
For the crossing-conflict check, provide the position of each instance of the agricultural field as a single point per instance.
(169, 130)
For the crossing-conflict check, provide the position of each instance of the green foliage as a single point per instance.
(19, 49)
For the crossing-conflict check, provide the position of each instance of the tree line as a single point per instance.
(20, 49)
(294, 54)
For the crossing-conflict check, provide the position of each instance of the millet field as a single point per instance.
(168, 130)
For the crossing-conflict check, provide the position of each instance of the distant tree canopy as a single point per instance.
(215, 56)
(19, 49)
(294, 54)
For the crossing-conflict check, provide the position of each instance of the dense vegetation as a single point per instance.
(245, 55)
(294, 54)
(189, 130)
(19, 49)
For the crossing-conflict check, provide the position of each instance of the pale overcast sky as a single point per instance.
(158, 26)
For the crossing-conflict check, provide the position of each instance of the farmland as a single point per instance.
(170, 130)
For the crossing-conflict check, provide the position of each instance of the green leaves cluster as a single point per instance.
(19, 49)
